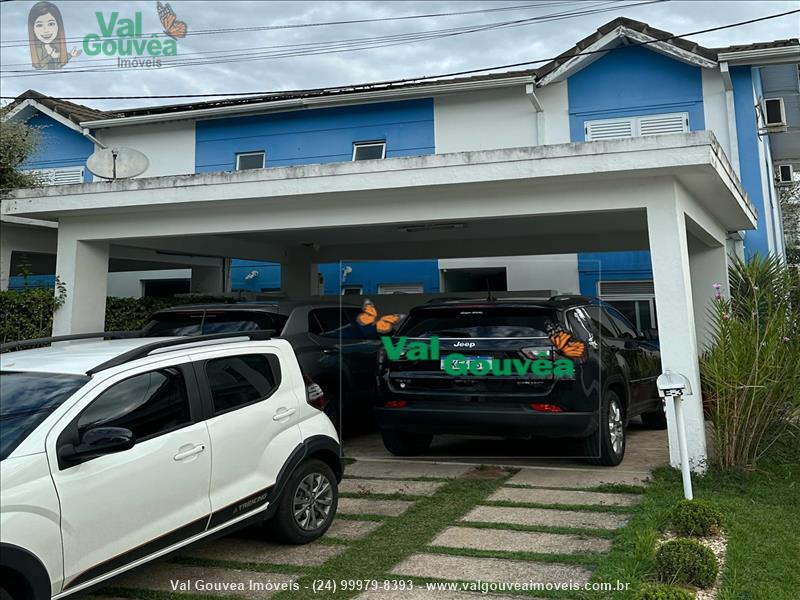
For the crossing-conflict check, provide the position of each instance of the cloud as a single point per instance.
(423, 58)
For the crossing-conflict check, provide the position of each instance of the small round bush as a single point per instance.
(685, 561)
(695, 517)
(662, 591)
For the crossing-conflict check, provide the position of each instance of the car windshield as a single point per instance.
(199, 322)
(25, 401)
(478, 322)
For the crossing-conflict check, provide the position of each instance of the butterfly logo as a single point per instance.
(564, 342)
(369, 316)
(172, 26)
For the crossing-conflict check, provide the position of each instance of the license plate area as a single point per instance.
(458, 364)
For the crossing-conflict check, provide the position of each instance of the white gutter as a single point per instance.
(730, 107)
(763, 56)
(295, 103)
(530, 91)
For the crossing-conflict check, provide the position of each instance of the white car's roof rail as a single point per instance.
(102, 335)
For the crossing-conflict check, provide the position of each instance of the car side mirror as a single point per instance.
(97, 442)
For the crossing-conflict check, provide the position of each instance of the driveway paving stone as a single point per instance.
(462, 568)
(364, 506)
(405, 470)
(546, 516)
(256, 551)
(384, 486)
(576, 478)
(346, 529)
(546, 496)
(504, 540)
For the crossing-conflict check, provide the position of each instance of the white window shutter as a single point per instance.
(60, 176)
(609, 129)
(670, 123)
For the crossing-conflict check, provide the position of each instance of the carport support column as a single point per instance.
(299, 278)
(669, 251)
(82, 268)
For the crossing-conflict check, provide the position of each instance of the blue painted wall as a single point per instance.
(634, 81)
(323, 136)
(369, 275)
(60, 146)
(625, 83)
(316, 136)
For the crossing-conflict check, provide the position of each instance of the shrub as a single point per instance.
(684, 561)
(748, 373)
(661, 591)
(695, 517)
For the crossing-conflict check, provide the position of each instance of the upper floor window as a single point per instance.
(625, 127)
(369, 150)
(59, 176)
(251, 160)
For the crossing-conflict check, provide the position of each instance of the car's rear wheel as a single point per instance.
(606, 446)
(656, 419)
(402, 443)
(4, 595)
(308, 504)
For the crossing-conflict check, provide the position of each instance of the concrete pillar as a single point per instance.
(708, 266)
(669, 251)
(5, 263)
(299, 275)
(82, 267)
(208, 279)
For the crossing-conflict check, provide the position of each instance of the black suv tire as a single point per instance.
(313, 486)
(599, 447)
(656, 419)
(401, 443)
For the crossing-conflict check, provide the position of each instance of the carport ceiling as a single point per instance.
(550, 234)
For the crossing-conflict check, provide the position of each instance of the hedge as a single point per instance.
(26, 314)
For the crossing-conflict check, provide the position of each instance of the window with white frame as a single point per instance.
(251, 160)
(59, 176)
(369, 150)
(610, 129)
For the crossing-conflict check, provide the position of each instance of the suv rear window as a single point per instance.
(199, 322)
(478, 322)
(25, 401)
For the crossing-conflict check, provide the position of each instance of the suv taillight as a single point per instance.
(314, 394)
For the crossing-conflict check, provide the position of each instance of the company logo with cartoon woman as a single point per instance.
(46, 37)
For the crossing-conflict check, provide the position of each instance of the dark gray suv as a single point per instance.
(333, 350)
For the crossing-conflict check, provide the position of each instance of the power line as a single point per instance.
(22, 43)
(333, 47)
(432, 77)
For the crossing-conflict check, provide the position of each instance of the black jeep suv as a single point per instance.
(602, 374)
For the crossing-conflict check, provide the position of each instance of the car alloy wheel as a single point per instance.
(616, 429)
(312, 502)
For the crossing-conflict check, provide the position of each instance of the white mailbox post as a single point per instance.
(674, 385)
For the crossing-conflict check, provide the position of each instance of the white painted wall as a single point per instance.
(715, 108)
(556, 112)
(484, 120)
(552, 272)
(128, 284)
(168, 146)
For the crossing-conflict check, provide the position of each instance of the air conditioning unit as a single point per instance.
(774, 112)
(785, 174)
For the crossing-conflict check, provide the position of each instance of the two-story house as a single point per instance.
(631, 166)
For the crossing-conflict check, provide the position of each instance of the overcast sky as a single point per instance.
(429, 57)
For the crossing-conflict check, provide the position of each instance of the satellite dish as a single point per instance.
(117, 163)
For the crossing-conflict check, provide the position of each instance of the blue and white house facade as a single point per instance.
(633, 166)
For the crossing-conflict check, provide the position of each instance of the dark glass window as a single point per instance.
(479, 322)
(601, 324)
(239, 380)
(148, 404)
(369, 150)
(339, 324)
(25, 401)
(196, 322)
(250, 160)
(626, 330)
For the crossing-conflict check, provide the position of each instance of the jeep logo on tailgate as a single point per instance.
(463, 344)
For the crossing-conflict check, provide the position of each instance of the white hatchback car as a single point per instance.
(116, 452)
